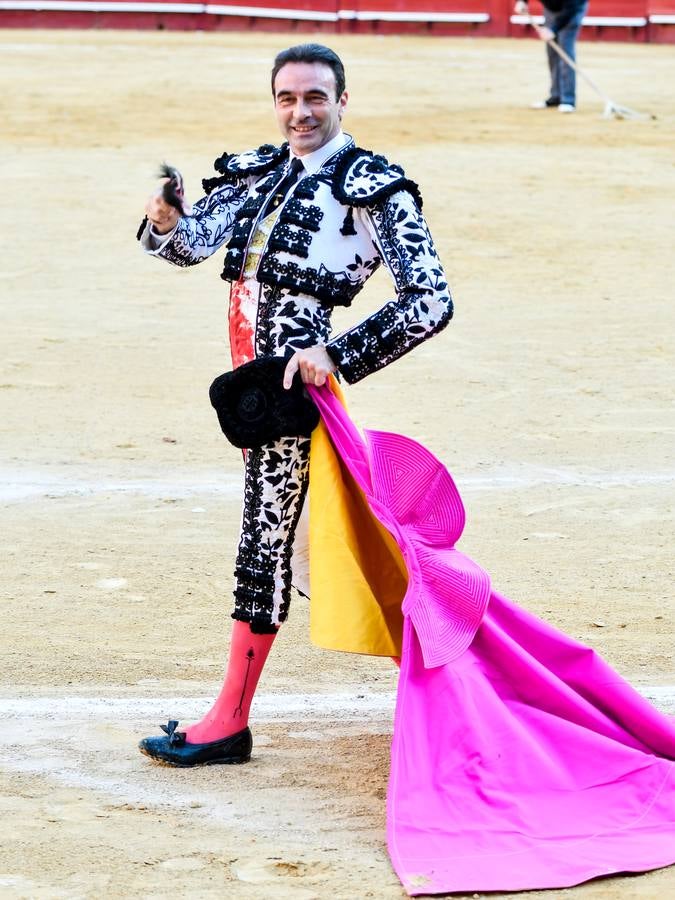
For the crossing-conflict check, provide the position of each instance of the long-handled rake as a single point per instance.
(612, 110)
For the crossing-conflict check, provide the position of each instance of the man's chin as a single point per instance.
(306, 143)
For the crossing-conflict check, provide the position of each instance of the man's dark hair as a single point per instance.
(312, 53)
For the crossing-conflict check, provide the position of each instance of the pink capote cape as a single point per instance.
(519, 759)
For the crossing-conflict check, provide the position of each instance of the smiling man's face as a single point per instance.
(307, 110)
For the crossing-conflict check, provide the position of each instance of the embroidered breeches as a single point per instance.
(274, 490)
(269, 322)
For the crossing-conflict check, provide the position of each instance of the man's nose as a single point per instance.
(301, 111)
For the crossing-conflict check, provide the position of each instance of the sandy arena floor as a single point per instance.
(549, 397)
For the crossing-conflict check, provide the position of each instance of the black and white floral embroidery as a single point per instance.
(211, 224)
(252, 162)
(286, 323)
(362, 178)
(276, 475)
(276, 483)
(423, 305)
(298, 323)
(334, 230)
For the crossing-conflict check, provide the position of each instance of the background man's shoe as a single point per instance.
(550, 103)
(171, 748)
(567, 108)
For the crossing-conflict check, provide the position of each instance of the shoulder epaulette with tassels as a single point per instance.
(360, 177)
(320, 243)
(233, 166)
(363, 178)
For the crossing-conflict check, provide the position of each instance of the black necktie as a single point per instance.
(278, 195)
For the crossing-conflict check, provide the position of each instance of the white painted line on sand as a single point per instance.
(266, 708)
(21, 486)
(279, 707)
(18, 486)
(88, 743)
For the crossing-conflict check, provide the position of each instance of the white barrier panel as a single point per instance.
(100, 6)
(260, 12)
(365, 15)
(607, 21)
(265, 12)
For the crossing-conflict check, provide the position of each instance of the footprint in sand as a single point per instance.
(280, 871)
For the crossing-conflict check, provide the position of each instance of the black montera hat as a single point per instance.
(254, 408)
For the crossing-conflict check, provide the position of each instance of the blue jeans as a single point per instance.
(563, 78)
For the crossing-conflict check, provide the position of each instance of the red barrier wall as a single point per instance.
(629, 20)
(282, 15)
(661, 32)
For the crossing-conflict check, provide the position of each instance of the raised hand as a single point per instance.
(165, 207)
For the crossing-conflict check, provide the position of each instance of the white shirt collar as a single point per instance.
(312, 162)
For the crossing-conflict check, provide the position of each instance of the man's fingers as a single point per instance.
(290, 370)
(161, 214)
(313, 373)
(157, 206)
(307, 370)
(314, 365)
(157, 199)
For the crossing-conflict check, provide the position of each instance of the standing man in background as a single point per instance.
(562, 21)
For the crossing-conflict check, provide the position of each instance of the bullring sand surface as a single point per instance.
(549, 397)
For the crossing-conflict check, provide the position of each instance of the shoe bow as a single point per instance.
(176, 738)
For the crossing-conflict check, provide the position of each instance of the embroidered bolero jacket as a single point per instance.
(333, 231)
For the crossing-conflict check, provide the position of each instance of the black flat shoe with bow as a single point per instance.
(173, 750)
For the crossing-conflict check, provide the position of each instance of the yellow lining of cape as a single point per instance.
(357, 575)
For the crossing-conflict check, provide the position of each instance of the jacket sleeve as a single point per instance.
(199, 235)
(422, 306)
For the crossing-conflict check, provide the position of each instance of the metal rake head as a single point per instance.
(616, 111)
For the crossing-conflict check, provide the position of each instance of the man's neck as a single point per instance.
(313, 161)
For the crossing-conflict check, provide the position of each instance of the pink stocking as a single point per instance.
(229, 713)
